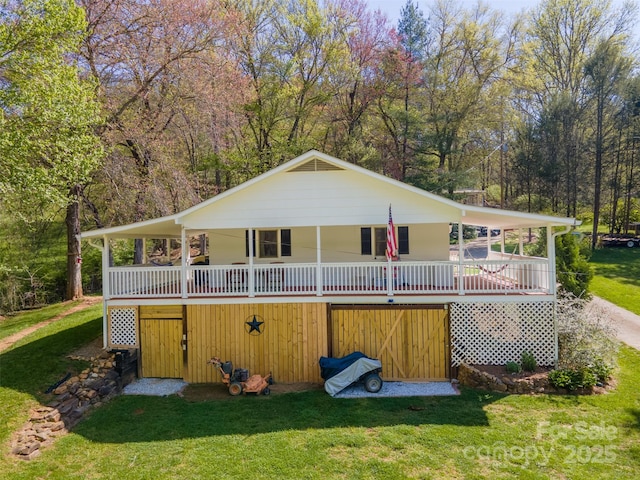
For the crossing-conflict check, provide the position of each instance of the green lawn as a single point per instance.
(12, 325)
(311, 435)
(617, 276)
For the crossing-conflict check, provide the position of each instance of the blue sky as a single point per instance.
(392, 7)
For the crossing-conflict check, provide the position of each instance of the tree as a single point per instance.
(466, 58)
(572, 264)
(563, 35)
(288, 51)
(48, 148)
(145, 57)
(398, 107)
(357, 80)
(605, 69)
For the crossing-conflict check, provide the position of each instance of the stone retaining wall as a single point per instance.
(91, 388)
(472, 377)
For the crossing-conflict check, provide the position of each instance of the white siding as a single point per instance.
(323, 198)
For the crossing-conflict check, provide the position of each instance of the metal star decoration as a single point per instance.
(254, 326)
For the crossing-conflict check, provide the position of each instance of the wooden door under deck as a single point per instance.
(161, 330)
(411, 342)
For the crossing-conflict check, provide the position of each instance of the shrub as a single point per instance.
(528, 361)
(572, 379)
(572, 263)
(513, 367)
(601, 370)
(561, 378)
(574, 271)
(585, 338)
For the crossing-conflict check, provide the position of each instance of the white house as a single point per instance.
(315, 281)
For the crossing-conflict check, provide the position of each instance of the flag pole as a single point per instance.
(391, 252)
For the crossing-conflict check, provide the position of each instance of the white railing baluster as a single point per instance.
(523, 275)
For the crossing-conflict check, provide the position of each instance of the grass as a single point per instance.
(12, 325)
(617, 276)
(311, 435)
(39, 360)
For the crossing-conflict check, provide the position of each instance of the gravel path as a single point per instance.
(401, 389)
(157, 387)
(627, 323)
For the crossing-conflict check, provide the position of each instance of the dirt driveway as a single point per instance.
(87, 302)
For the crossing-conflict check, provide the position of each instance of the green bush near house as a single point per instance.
(528, 362)
(513, 367)
(571, 379)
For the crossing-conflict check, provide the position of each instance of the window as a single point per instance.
(270, 243)
(403, 240)
(365, 241)
(380, 241)
(285, 242)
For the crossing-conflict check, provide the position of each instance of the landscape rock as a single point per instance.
(473, 377)
(91, 388)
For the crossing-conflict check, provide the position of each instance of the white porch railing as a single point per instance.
(366, 278)
(144, 282)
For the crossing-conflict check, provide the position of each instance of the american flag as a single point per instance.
(392, 243)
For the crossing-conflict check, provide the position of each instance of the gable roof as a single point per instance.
(316, 189)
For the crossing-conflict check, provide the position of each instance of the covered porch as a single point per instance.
(209, 275)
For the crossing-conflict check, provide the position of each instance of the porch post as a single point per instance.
(251, 284)
(389, 278)
(460, 259)
(105, 289)
(520, 244)
(488, 242)
(318, 262)
(502, 241)
(183, 264)
(551, 257)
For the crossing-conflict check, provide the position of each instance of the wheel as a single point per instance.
(266, 391)
(631, 244)
(373, 383)
(235, 389)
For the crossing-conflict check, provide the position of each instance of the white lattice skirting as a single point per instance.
(496, 333)
(122, 326)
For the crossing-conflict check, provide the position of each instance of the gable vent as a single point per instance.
(315, 165)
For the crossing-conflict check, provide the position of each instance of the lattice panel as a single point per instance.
(123, 326)
(496, 333)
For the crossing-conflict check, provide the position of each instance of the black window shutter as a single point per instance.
(365, 241)
(285, 242)
(403, 240)
(246, 243)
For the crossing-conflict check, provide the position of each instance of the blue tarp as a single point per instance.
(330, 367)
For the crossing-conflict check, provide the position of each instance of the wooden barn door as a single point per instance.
(289, 340)
(161, 341)
(412, 342)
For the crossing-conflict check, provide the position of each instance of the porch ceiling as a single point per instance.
(164, 227)
(507, 219)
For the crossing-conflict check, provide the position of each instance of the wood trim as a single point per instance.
(393, 306)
